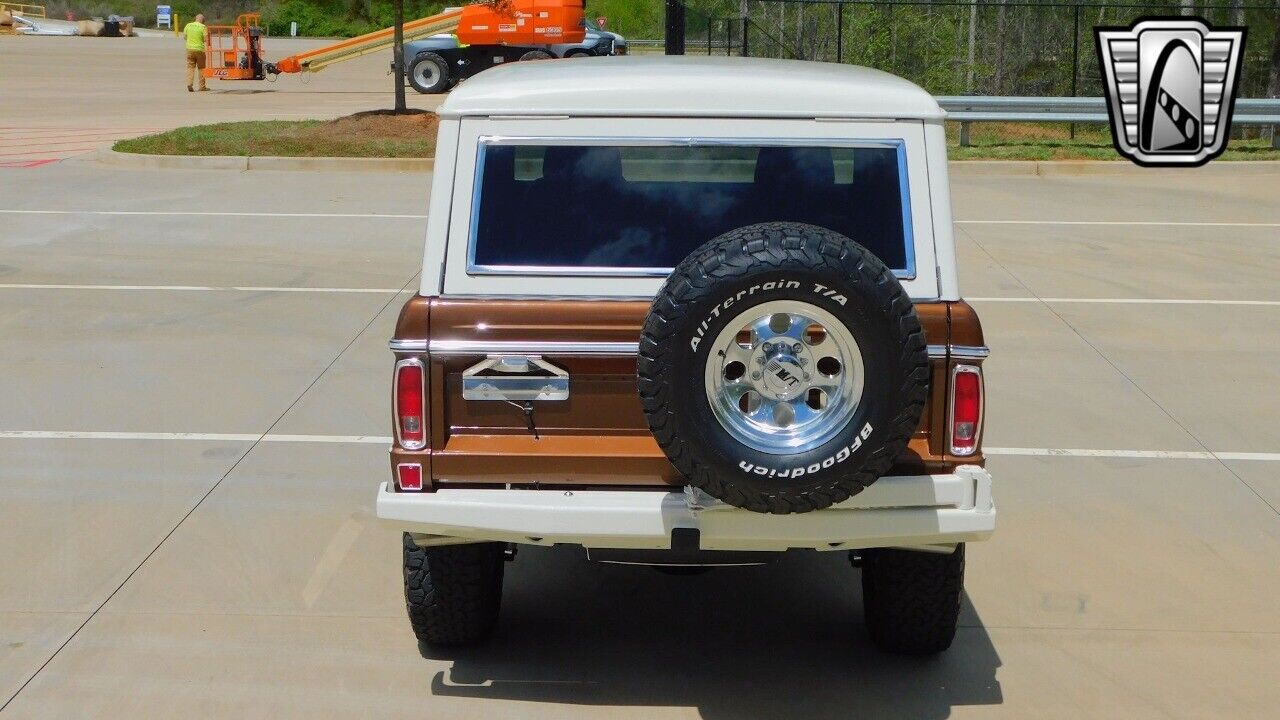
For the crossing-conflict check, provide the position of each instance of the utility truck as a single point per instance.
(505, 29)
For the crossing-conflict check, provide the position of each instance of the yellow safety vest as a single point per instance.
(195, 33)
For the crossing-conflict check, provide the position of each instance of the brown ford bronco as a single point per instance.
(685, 311)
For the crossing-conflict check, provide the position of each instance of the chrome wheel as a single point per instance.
(784, 377)
(426, 73)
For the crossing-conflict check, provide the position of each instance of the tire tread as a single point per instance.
(732, 256)
(911, 599)
(452, 592)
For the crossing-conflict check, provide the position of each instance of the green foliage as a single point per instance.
(1018, 49)
(341, 18)
(315, 18)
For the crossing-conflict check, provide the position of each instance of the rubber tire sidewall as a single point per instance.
(441, 84)
(857, 454)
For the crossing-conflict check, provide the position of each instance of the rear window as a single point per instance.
(640, 209)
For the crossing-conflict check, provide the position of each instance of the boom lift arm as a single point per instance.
(318, 59)
(498, 22)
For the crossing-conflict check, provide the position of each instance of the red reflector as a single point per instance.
(966, 409)
(409, 476)
(410, 424)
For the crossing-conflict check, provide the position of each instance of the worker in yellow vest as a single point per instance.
(196, 34)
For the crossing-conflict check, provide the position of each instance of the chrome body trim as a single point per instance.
(537, 347)
(406, 346)
(959, 352)
(395, 404)
(551, 347)
(473, 268)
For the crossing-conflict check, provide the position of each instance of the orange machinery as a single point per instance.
(234, 52)
(522, 22)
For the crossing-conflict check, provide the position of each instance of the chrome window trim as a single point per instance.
(395, 405)
(899, 145)
(951, 410)
(690, 141)
(563, 270)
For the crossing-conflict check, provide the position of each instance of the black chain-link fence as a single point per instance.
(982, 47)
(953, 47)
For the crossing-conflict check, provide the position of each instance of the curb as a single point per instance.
(959, 168)
(293, 164)
(1072, 168)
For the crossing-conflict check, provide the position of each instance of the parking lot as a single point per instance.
(66, 96)
(195, 417)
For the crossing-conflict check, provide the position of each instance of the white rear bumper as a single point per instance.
(894, 512)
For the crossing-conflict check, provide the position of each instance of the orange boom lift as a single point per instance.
(234, 52)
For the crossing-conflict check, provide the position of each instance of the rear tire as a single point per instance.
(429, 74)
(536, 55)
(911, 599)
(452, 592)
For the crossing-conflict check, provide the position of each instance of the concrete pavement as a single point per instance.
(136, 86)
(227, 576)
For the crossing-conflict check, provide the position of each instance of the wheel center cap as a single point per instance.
(783, 378)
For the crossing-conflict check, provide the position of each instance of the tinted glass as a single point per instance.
(647, 207)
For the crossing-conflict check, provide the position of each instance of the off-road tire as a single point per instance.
(536, 55)
(452, 592)
(875, 309)
(911, 599)
(442, 82)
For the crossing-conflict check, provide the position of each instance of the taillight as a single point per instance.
(409, 476)
(411, 426)
(966, 409)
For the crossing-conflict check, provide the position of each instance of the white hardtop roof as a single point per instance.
(689, 86)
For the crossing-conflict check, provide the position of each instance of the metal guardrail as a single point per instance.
(971, 109)
(1260, 111)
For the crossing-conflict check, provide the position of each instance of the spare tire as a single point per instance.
(782, 368)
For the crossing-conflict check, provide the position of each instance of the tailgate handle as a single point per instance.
(518, 378)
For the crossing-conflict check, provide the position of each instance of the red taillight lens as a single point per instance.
(409, 476)
(966, 409)
(410, 422)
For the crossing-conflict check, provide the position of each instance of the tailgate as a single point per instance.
(597, 435)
